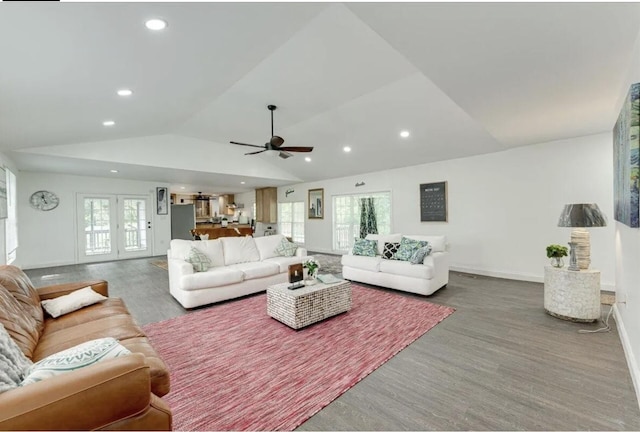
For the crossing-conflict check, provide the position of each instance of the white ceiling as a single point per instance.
(464, 78)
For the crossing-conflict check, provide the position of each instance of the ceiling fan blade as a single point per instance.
(297, 149)
(276, 141)
(248, 145)
(285, 155)
(259, 151)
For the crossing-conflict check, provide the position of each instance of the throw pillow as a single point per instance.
(198, 260)
(13, 363)
(365, 247)
(418, 256)
(389, 251)
(286, 248)
(71, 302)
(74, 358)
(408, 247)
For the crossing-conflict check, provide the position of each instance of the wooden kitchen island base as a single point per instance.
(229, 231)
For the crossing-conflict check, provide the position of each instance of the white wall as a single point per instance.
(627, 250)
(50, 238)
(503, 207)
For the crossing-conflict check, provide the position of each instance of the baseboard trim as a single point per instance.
(47, 264)
(632, 364)
(517, 276)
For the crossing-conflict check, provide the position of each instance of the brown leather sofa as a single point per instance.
(118, 394)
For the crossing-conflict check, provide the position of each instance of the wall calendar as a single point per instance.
(433, 202)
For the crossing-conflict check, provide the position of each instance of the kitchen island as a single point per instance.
(216, 230)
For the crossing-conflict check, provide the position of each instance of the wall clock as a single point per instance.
(44, 200)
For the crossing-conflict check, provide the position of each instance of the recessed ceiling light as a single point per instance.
(347, 149)
(404, 134)
(114, 171)
(108, 123)
(308, 159)
(125, 92)
(155, 24)
(241, 182)
(182, 187)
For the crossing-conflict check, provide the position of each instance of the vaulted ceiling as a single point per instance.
(463, 78)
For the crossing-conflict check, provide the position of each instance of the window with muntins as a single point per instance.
(291, 220)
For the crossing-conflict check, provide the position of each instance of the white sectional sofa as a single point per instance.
(239, 266)
(425, 278)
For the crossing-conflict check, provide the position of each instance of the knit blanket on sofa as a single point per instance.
(13, 362)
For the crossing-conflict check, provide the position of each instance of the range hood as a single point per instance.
(231, 205)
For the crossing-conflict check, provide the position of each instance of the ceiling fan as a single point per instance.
(275, 143)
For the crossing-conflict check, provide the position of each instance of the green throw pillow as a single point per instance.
(418, 256)
(198, 260)
(365, 247)
(408, 247)
(286, 248)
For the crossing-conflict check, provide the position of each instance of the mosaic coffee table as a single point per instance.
(304, 306)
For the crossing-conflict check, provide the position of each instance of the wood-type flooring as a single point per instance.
(498, 363)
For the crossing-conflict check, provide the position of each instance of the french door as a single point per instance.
(113, 227)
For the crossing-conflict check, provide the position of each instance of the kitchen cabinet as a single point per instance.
(224, 202)
(267, 205)
(203, 209)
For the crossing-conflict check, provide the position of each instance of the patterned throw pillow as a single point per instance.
(198, 260)
(389, 251)
(419, 255)
(71, 359)
(408, 247)
(365, 247)
(13, 363)
(286, 248)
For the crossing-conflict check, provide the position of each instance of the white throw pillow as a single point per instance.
(239, 249)
(74, 358)
(71, 302)
(267, 245)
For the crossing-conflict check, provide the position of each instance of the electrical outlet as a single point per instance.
(621, 297)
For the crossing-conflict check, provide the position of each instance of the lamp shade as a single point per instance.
(582, 216)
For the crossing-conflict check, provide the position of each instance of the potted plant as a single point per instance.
(556, 252)
(312, 266)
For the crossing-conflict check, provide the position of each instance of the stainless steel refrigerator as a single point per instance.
(183, 220)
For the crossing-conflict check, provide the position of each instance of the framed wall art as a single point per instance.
(626, 161)
(316, 203)
(162, 197)
(433, 202)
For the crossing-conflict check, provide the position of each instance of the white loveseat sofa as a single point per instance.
(239, 266)
(425, 278)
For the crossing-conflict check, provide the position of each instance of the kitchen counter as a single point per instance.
(216, 231)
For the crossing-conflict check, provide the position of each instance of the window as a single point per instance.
(291, 220)
(346, 217)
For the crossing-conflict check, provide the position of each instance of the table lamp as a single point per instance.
(581, 216)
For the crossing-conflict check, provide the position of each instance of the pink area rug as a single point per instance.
(235, 368)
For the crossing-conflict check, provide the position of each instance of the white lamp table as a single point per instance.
(572, 295)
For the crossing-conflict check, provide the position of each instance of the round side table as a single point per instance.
(572, 295)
